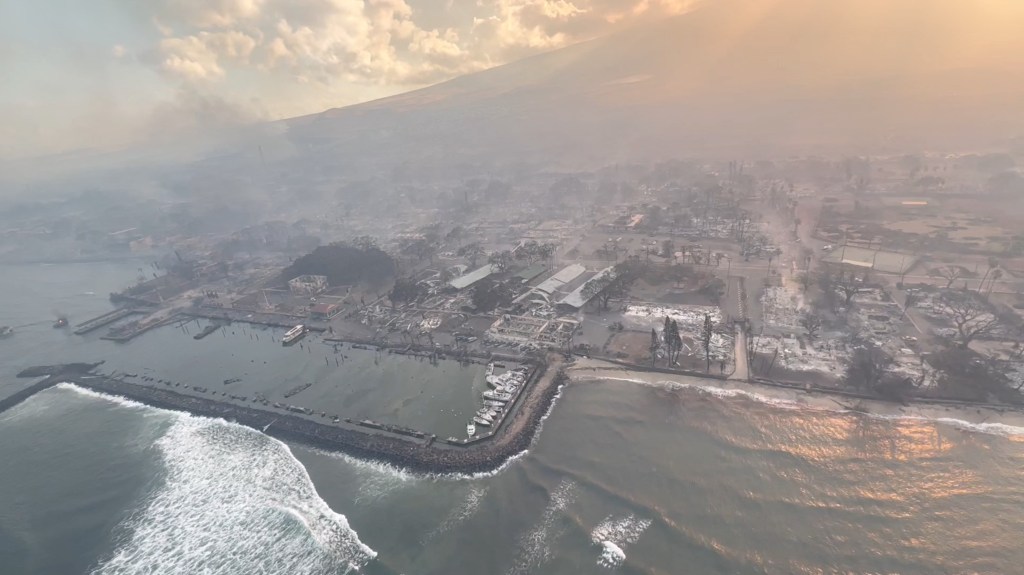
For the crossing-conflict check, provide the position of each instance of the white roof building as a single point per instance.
(577, 298)
(463, 282)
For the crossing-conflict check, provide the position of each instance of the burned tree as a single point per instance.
(868, 367)
(948, 273)
(811, 322)
(848, 284)
(971, 317)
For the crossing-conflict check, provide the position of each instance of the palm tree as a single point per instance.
(992, 264)
(996, 275)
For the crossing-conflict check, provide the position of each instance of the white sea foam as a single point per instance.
(535, 545)
(233, 500)
(716, 391)
(615, 533)
(1000, 429)
(122, 401)
(377, 479)
(456, 516)
(611, 555)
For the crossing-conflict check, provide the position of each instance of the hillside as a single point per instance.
(734, 76)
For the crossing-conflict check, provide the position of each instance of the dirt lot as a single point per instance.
(634, 345)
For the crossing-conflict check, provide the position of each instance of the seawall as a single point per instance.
(419, 456)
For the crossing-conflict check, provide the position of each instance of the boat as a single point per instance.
(470, 429)
(293, 335)
(497, 395)
(6, 331)
(481, 421)
(493, 403)
(61, 322)
(490, 369)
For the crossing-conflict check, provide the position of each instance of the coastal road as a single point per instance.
(742, 371)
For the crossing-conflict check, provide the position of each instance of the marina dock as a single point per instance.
(105, 319)
(255, 318)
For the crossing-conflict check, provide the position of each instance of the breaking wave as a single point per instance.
(377, 479)
(231, 500)
(117, 399)
(613, 534)
(535, 545)
(719, 392)
(1001, 429)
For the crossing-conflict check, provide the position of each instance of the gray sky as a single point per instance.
(108, 73)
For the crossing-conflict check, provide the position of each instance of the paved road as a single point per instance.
(742, 371)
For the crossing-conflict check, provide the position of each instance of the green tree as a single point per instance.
(489, 294)
(654, 345)
(615, 284)
(405, 290)
(706, 333)
(501, 261)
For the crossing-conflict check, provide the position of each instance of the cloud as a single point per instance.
(300, 56)
(374, 41)
(199, 57)
(209, 13)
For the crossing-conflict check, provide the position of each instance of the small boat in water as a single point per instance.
(481, 421)
(60, 323)
(293, 335)
(6, 331)
(470, 429)
(493, 403)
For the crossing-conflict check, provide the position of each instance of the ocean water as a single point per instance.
(623, 478)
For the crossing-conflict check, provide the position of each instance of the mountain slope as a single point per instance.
(731, 77)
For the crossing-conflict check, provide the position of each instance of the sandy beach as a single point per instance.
(1006, 421)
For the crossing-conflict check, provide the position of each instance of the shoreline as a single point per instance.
(417, 456)
(997, 418)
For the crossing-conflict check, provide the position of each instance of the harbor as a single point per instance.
(397, 445)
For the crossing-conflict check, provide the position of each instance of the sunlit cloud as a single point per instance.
(302, 56)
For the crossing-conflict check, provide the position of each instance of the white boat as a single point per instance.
(481, 421)
(293, 335)
(470, 429)
(490, 369)
(6, 331)
(497, 395)
(493, 403)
